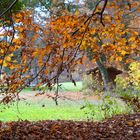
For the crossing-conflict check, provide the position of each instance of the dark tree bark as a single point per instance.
(104, 74)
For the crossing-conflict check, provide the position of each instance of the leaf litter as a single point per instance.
(119, 127)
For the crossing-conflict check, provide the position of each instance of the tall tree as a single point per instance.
(64, 38)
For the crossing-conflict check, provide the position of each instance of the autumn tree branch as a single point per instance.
(10, 43)
(9, 8)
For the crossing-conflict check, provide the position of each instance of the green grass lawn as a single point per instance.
(45, 109)
(66, 110)
(33, 110)
(67, 86)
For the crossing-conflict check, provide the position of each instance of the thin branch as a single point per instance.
(95, 13)
(9, 8)
(102, 11)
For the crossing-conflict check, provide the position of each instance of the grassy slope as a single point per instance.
(31, 110)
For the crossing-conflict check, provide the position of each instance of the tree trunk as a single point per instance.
(104, 74)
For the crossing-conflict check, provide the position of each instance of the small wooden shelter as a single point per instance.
(112, 72)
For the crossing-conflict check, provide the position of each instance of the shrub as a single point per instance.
(110, 106)
(91, 85)
(134, 74)
(128, 87)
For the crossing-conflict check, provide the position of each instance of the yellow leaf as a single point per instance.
(119, 49)
(48, 49)
(8, 58)
(12, 67)
(132, 39)
(46, 72)
(5, 64)
(133, 46)
(27, 76)
(65, 45)
(135, 33)
(18, 15)
(21, 29)
(1, 61)
(130, 123)
(77, 12)
(1, 51)
(123, 52)
(35, 53)
(119, 58)
(17, 47)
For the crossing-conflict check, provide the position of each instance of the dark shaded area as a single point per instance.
(112, 72)
(119, 127)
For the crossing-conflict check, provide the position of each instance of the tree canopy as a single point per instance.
(57, 36)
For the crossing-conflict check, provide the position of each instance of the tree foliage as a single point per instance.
(63, 39)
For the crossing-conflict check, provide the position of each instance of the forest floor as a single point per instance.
(119, 127)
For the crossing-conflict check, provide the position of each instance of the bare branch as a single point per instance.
(9, 8)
